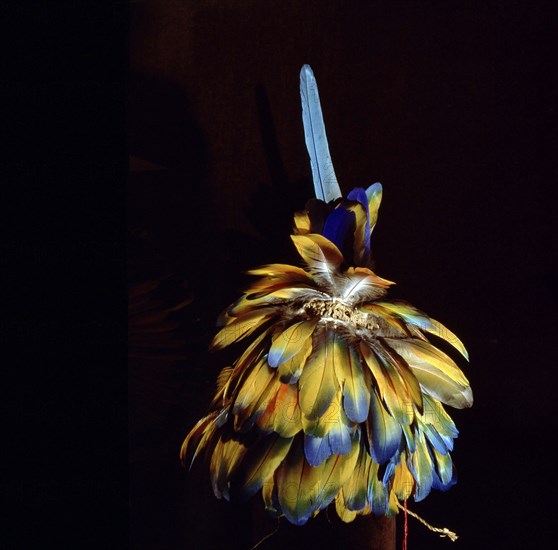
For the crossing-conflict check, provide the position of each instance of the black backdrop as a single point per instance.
(452, 106)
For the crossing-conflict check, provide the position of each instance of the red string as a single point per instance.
(405, 526)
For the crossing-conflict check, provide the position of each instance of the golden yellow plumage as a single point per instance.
(339, 393)
(336, 386)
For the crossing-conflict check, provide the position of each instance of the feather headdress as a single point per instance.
(339, 393)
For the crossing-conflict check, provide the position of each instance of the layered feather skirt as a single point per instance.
(339, 393)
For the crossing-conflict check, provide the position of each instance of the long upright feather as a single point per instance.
(325, 182)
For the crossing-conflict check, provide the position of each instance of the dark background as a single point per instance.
(452, 106)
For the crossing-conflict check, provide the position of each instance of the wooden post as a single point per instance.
(325, 531)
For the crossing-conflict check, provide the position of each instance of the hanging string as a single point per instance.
(405, 525)
(267, 536)
(443, 532)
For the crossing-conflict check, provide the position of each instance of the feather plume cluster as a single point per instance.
(339, 394)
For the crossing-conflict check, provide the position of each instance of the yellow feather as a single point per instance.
(287, 416)
(290, 371)
(343, 512)
(248, 303)
(437, 373)
(374, 201)
(260, 464)
(302, 222)
(403, 481)
(376, 369)
(385, 314)
(240, 327)
(421, 463)
(297, 485)
(227, 455)
(252, 392)
(264, 286)
(192, 439)
(318, 382)
(360, 230)
(337, 470)
(355, 489)
(392, 388)
(268, 490)
(263, 410)
(409, 380)
(198, 437)
(446, 334)
(393, 504)
(288, 343)
(320, 254)
(422, 352)
(356, 394)
(425, 323)
(282, 413)
(399, 397)
(321, 426)
(223, 377)
(242, 368)
(280, 270)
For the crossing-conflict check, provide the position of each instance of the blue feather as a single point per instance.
(389, 472)
(386, 431)
(316, 449)
(439, 442)
(377, 496)
(340, 439)
(337, 225)
(325, 182)
(421, 466)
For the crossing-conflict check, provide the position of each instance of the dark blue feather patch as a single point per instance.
(337, 226)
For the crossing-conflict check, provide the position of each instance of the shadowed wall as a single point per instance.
(448, 107)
